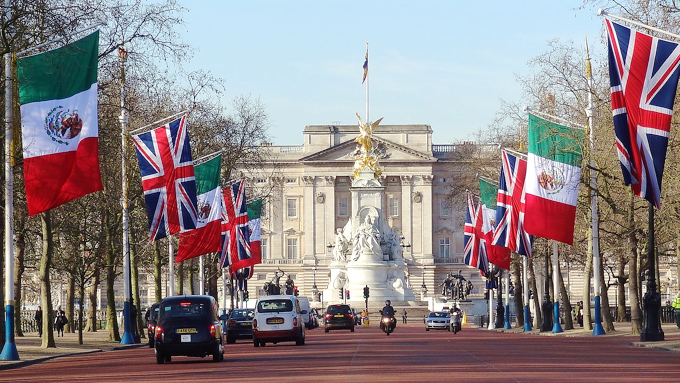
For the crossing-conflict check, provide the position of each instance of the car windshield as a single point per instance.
(339, 309)
(242, 314)
(439, 315)
(184, 309)
(274, 305)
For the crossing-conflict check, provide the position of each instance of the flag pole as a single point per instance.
(602, 12)
(171, 266)
(556, 288)
(9, 350)
(597, 262)
(525, 293)
(127, 338)
(506, 290)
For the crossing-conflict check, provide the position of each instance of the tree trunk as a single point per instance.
(566, 305)
(587, 275)
(92, 293)
(607, 320)
(70, 302)
(537, 300)
(45, 292)
(19, 269)
(81, 299)
(157, 276)
(192, 267)
(621, 289)
(180, 278)
(135, 293)
(212, 280)
(517, 282)
(634, 275)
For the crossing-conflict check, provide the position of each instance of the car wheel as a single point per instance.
(151, 343)
(427, 329)
(168, 359)
(327, 329)
(231, 340)
(262, 343)
(256, 342)
(300, 340)
(159, 357)
(217, 355)
(351, 329)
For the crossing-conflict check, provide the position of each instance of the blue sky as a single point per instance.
(443, 63)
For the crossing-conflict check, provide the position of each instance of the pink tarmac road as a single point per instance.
(410, 354)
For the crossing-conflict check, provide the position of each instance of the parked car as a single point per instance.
(151, 318)
(240, 325)
(437, 320)
(188, 325)
(357, 317)
(338, 316)
(278, 318)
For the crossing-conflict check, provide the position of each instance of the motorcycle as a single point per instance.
(388, 323)
(455, 322)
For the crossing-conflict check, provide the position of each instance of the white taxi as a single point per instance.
(278, 318)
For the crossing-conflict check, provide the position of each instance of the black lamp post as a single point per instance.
(500, 310)
(315, 290)
(547, 305)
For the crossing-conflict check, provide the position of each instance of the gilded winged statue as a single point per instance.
(365, 140)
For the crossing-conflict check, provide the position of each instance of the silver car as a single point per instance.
(438, 320)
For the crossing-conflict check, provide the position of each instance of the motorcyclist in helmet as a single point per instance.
(455, 308)
(388, 310)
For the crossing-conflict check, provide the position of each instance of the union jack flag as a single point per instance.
(168, 180)
(474, 247)
(643, 73)
(510, 206)
(236, 252)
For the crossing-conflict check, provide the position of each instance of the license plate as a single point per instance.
(248, 324)
(185, 338)
(339, 315)
(274, 320)
(187, 331)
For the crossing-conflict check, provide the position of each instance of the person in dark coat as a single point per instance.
(60, 321)
(38, 319)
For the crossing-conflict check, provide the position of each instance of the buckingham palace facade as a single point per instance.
(307, 198)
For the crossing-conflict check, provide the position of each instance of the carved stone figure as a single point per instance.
(341, 246)
(366, 239)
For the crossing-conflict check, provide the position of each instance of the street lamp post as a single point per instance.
(315, 290)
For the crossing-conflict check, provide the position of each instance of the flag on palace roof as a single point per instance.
(168, 180)
(498, 255)
(206, 237)
(552, 180)
(59, 124)
(510, 206)
(643, 73)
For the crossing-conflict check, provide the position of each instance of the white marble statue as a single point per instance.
(341, 246)
(366, 240)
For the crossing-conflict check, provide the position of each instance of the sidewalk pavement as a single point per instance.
(671, 333)
(30, 352)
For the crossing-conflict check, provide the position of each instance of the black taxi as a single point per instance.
(188, 325)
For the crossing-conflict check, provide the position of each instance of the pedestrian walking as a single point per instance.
(579, 313)
(60, 321)
(404, 314)
(38, 320)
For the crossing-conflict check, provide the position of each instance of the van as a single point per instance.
(307, 318)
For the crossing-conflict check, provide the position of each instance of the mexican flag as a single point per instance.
(552, 180)
(59, 124)
(498, 255)
(206, 238)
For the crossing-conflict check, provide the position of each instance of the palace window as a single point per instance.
(444, 248)
(342, 207)
(291, 248)
(444, 207)
(393, 207)
(264, 248)
(291, 204)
